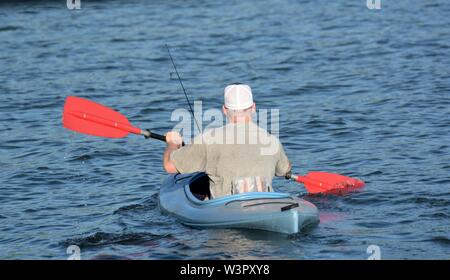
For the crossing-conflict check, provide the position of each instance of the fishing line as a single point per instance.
(184, 90)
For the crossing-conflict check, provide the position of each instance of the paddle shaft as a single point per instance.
(148, 134)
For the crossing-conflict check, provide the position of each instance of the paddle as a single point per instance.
(88, 117)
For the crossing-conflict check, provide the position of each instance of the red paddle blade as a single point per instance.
(324, 182)
(91, 118)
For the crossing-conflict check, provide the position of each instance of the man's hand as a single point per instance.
(174, 140)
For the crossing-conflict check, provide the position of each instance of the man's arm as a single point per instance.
(174, 141)
(283, 165)
(168, 164)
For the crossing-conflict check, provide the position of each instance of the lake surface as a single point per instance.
(361, 92)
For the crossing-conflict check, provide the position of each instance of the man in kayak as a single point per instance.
(238, 157)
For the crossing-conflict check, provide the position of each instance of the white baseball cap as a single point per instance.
(238, 97)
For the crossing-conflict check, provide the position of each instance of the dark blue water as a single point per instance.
(361, 92)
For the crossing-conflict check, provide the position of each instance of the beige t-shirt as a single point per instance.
(233, 152)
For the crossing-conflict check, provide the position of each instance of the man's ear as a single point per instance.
(254, 107)
(224, 110)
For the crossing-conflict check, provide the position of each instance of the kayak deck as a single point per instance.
(272, 211)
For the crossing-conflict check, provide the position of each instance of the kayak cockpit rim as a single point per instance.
(225, 199)
(235, 197)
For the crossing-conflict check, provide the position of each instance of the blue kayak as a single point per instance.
(182, 195)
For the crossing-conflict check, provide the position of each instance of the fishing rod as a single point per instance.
(184, 90)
